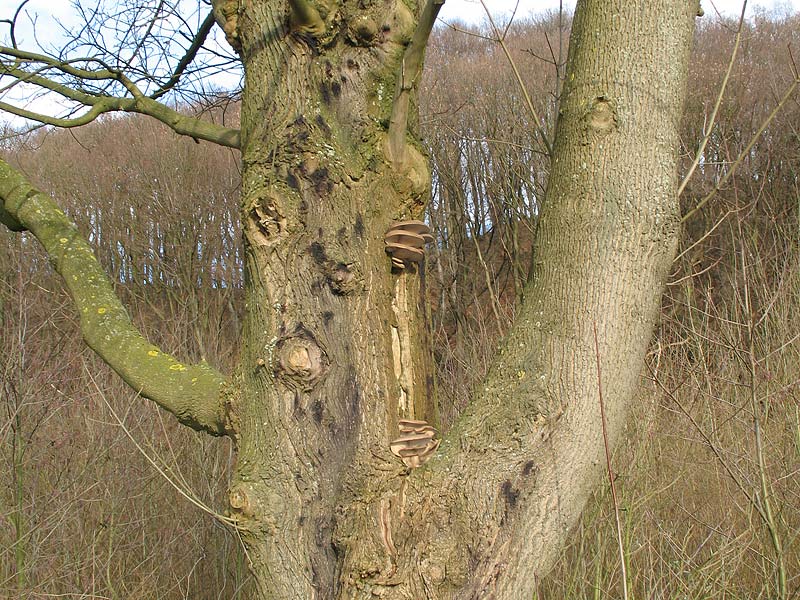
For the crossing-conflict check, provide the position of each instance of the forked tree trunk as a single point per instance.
(334, 349)
(334, 352)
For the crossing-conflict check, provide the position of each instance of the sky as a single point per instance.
(465, 10)
(470, 11)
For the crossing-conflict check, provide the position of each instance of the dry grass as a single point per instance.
(699, 520)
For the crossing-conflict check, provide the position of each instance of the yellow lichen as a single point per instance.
(153, 353)
(101, 310)
(177, 367)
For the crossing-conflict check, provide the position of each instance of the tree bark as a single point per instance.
(334, 350)
(529, 449)
(326, 511)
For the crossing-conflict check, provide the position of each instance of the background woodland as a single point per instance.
(96, 504)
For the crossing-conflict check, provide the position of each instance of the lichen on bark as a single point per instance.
(191, 392)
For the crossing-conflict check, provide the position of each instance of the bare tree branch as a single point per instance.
(724, 179)
(193, 393)
(713, 119)
(500, 39)
(101, 103)
(12, 23)
(187, 59)
(86, 72)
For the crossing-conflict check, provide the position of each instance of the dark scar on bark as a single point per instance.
(509, 493)
(528, 468)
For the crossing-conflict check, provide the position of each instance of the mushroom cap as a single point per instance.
(404, 252)
(407, 238)
(415, 443)
(413, 226)
(430, 449)
(409, 426)
(411, 423)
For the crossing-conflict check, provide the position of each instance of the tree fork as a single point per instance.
(488, 514)
(330, 161)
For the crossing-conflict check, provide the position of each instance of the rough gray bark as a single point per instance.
(333, 347)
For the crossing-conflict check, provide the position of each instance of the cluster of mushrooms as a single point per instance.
(405, 242)
(416, 444)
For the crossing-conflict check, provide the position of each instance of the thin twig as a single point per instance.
(608, 466)
(535, 115)
(745, 152)
(185, 493)
(767, 514)
(717, 104)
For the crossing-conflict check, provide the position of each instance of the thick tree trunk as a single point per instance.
(334, 346)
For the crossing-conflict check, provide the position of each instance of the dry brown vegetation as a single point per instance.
(708, 474)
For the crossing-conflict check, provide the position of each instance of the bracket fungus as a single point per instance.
(416, 444)
(405, 242)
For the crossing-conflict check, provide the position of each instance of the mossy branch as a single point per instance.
(195, 394)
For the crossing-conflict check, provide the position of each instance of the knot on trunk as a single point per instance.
(342, 277)
(398, 25)
(241, 500)
(266, 222)
(256, 508)
(410, 177)
(226, 13)
(602, 116)
(363, 31)
(301, 362)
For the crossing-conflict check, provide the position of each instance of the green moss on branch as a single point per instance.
(193, 393)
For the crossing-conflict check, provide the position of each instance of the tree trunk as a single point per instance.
(334, 348)
(333, 343)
